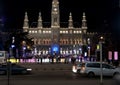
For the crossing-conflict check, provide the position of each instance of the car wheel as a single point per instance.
(91, 75)
(2, 72)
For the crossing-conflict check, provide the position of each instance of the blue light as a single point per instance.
(55, 48)
(12, 46)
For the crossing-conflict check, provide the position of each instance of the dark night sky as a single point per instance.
(102, 15)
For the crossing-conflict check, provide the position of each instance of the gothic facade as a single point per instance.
(55, 38)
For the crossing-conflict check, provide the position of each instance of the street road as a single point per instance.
(53, 77)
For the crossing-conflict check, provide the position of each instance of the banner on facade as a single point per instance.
(110, 55)
(116, 55)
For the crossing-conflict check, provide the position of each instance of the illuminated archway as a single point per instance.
(55, 49)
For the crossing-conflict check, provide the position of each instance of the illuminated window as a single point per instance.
(74, 31)
(33, 32)
(29, 31)
(77, 31)
(66, 32)
(80, 31)
(55, 9)
(43, 31)
(63, 31)
(60, 31)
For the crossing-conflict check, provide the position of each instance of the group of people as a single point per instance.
(53, 58)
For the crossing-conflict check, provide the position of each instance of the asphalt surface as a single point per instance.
(51, 74)
(37, 67)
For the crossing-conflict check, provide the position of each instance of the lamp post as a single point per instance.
(88, 41)
(89, 51)
(100, 44)
(101, 75)
(23, 49)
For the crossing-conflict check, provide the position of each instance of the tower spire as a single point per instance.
(84, 29)
(70, 25)
(39, 21)
(25, 24)
(55, 21)
(84, 24)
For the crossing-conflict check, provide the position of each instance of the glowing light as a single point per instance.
(55, 48)
(85, 54)
(98, 47)
(12, 46)
(115, 55)
(110, 55)
(13, 60)
(101, 37)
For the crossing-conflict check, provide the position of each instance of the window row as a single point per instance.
(39, 31)
(62, 41)
(66, 32)
(61, 32)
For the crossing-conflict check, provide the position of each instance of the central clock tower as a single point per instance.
(55, 26)
(55, 21)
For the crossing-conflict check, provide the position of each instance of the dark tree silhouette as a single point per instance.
(19, 37)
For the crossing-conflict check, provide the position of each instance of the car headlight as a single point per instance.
(29, 69)
(74, 69)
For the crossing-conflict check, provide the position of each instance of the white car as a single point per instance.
(93, 69)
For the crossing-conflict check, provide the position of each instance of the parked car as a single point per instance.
(93, 69)
(14, 69)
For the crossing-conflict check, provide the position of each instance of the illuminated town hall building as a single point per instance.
(57, 39)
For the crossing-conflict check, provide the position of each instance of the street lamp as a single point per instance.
(88, 40)
(23, 48)
(89, 51)
(101, 75)
(100, 44)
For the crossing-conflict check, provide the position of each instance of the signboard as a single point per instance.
(110, 55)
(115, 55)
